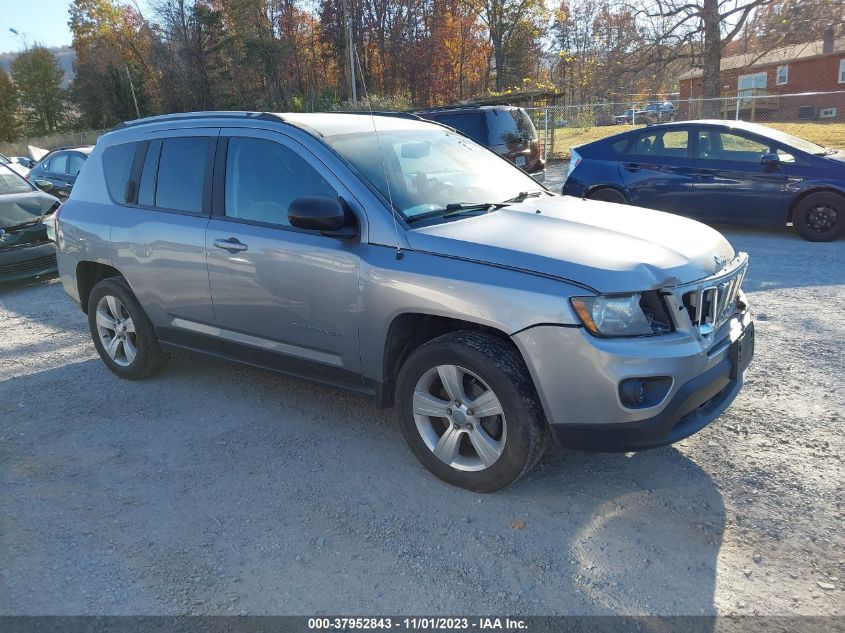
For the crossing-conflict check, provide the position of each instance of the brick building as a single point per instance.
(812, 67)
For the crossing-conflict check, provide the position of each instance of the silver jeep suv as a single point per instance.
(398, 258)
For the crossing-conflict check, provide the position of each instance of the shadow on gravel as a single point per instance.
(217, 488)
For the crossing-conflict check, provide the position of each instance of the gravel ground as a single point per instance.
(215, 488)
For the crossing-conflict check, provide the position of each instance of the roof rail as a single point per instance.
(398, 114)
(464, 106)
(189, 116)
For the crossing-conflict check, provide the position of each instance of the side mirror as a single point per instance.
(44, 185)
(770, 159)
(319, 213)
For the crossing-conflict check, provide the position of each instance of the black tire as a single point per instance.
(606, 194)
(820, 217)
(499, 365)
(149, 357)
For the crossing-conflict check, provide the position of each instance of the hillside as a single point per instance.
(65, 55)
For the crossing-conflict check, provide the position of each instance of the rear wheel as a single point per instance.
(820, 217)
(607, 194)
(469, 411)
(122, 332)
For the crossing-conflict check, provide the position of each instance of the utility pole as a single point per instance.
(350, 50)
(132, 89)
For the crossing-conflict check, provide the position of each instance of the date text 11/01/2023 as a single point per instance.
(417, 624)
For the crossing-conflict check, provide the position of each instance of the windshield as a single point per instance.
(793, 141)
(10, 182)
(432, 170)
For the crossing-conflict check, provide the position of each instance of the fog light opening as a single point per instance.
(639, 393)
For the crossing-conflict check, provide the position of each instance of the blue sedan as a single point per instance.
(717, 172)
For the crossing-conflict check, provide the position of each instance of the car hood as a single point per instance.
(608, 247)
(22, 208)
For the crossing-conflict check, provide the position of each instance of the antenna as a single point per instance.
(380, 153)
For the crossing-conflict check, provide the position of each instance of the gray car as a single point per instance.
(411, 265)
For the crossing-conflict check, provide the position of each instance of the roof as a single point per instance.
(333, 123)
(780, 55)
(316, 123)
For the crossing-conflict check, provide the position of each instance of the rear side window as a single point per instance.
(620, 146)
(117, 167)
(673, 143)
(470, 124)
(75, 163)
(180, 181)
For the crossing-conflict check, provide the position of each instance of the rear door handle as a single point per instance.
(231, 244)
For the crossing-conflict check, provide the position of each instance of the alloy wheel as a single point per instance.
(459, 418)
(116, 330)
(822, 218)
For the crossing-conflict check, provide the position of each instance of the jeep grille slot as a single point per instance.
(711, 305)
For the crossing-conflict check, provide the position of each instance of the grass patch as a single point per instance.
(827, 134)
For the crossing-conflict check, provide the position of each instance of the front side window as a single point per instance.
(263, 178)
(782, 75)
(182, 166)
(57, 163)
(713, 145)
(671, 143)
(431, 168)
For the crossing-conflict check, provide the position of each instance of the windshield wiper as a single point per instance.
(456, 208)
(522, 195)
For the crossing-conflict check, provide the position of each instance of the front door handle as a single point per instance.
(706, 175)
(632, 166)
(231, 244)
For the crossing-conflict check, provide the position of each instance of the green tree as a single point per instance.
(8, 108)
(38, 78)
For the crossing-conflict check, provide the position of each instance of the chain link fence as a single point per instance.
(813, 115)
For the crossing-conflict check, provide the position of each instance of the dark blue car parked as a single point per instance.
(717, 172)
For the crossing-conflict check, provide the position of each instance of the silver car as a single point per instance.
(398, 258)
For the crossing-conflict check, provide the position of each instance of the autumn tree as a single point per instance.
(8, 108)
(38, 78)
(113, 78)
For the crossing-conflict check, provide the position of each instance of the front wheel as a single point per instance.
(122, 332)
(820, 217)
(469, 411)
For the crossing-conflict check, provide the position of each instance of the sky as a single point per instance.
(41, 21)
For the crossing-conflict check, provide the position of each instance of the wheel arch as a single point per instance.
(593, 189)
(88, 275)
(809, 192)
(407, 332)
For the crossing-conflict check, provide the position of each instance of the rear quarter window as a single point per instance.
(117, 168)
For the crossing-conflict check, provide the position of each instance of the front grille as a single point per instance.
(29, 265)
(711, 304)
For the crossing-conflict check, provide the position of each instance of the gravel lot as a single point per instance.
(216, 488)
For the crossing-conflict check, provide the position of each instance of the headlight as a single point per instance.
(640, 314)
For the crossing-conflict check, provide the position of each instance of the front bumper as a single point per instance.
(27, 261)
(577, 378)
